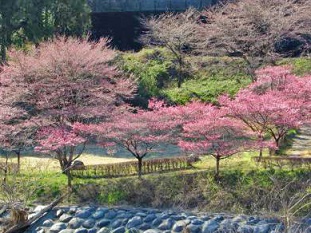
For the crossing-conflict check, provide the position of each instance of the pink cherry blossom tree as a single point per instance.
(137, 132)
(61, 82)
(212, 133)
(271, 106)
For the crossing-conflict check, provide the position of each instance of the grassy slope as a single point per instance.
(206, 77)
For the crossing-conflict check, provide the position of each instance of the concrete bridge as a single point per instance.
(102, 6)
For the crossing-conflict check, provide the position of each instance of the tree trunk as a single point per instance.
(18, 154)
(217, 169)
(179, 74)
(260, 155)
(140, 165)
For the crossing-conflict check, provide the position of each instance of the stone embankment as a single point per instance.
(130, 220)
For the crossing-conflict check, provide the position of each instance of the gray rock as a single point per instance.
(179, 226)
(177, 217)
(219, 218)
(47, 223)
(72, 210)
(39, 231)
(115, 224)
(67, 231)
(205, 218)
(135, 221)
(157, 222)
(59, 212)
(133, 230)
(210, 226)
(57, 227)
(192, 217)
(84, 213)
(264, 228)
(111, 214)
(245, 229)
(163, 216)
(81, 230)
(125, 215)
(144, 226)
(75, 223)
(93, 230)
(89, 223)
(167, 224)
(65, 218)
(100, 213)
(193, 228)
(103, 223)
(119, 230)
(141, 214)
(149, 218)
(197, 222)
(152, 231)
(227, 224)
(239, 218)
(104, 230)
(39, 208)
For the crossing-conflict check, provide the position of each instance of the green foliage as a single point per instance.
(150, 68)
(301, 66)
(206, 80)
(36, 20)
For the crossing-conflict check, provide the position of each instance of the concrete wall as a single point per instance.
(100, 6)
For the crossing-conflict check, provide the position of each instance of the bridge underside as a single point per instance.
(100, 6)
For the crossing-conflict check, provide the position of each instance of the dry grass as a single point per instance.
(46, 163)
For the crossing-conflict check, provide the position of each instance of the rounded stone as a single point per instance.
(156, 222)
(245, 229)
(167, 224)
(119, 230)
(65, 218)
(100, 213)
(152, 231)
(179, 226)
(133, 222)
(111, 214)
(72, 210)
(104, 230)
(210, 226)
(81, 230)
(67, 231)
(57, 227)
(193, 228)
(264, 228)
(150, 217)
(89, 223)
(59, 212)
(103, 223)
(197, 222)
(144, 226)
(93, 230)
(75, 223)
(47, 223)
(84, 213)
(115, 224)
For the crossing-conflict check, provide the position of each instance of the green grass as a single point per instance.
(205, 78)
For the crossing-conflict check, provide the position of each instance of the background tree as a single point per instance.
(37, 20)
(62, 82)
(252, 29)
(175, 31)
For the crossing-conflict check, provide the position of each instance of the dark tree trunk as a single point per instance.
(217, 169)
(140, 165)
(18, 154)
(260, 155)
